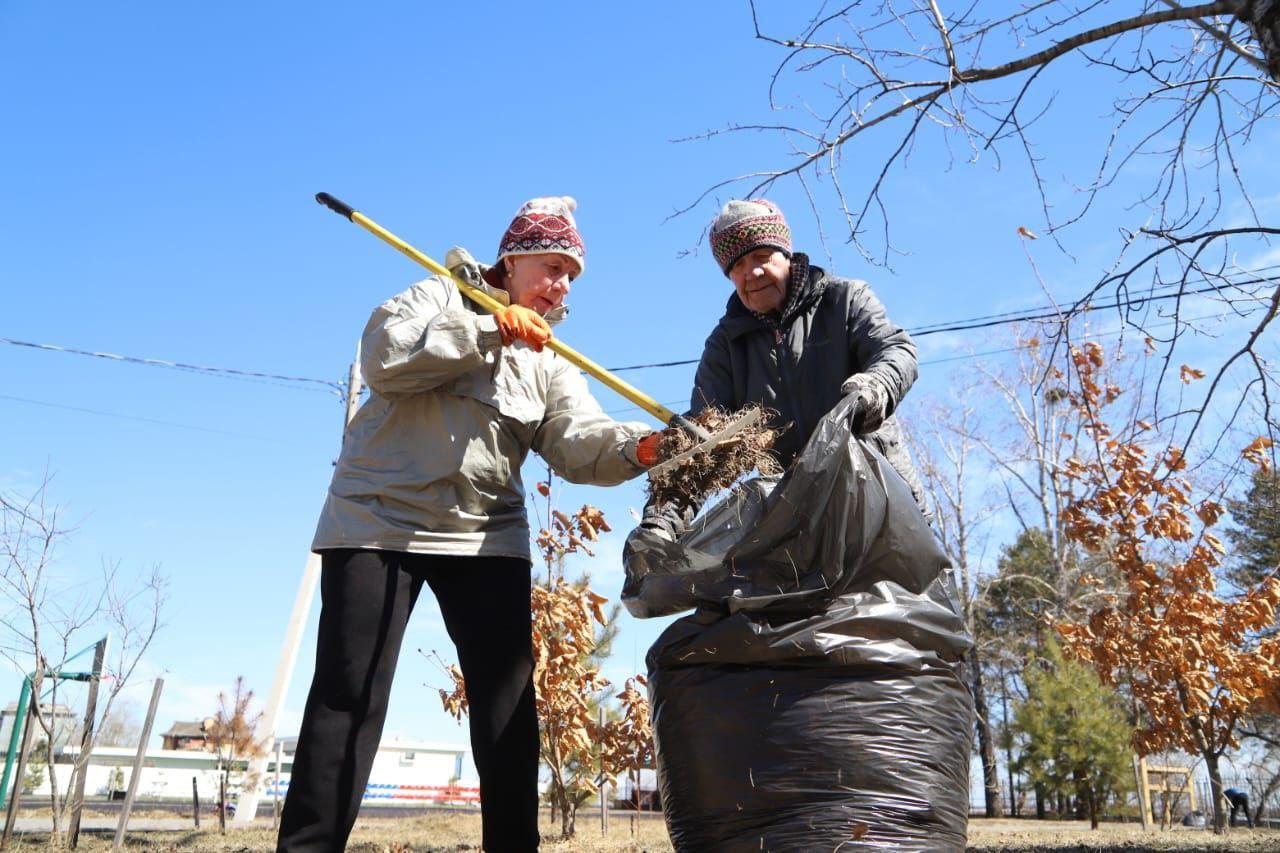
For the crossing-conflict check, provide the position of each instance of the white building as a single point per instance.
(402, 772)
(65, 723)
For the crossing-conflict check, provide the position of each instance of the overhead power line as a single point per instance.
(127, 417)
(1025, 316)
(947, 358)
(987, 321)
(338, 388)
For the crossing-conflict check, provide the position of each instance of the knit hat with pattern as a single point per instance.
(544, 225)
(744, 226)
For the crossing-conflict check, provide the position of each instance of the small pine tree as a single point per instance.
(38, 761)
(1074, 732)
(1255, 539)
(1019, 601)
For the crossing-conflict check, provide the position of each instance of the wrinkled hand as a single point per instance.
(869, 403)
(515, 322)
(647, 449)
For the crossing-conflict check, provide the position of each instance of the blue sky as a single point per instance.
(160, 162)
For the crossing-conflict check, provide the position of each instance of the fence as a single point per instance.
(453, 795)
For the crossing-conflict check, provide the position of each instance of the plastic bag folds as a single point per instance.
(814, 698)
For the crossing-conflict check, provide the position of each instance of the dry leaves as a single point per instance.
(716, 468)
(1191, 659)
(567, 685)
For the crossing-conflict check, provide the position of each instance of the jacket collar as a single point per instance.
(738, 320)
(481, 275)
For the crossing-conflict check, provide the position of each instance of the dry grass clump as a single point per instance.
(719, 467)
(431, 832)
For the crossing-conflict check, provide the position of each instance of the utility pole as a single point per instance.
(247, 808)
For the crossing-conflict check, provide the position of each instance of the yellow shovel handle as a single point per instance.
(492, 305)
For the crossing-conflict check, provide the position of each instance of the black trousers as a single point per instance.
(1239, 802)
(367, 597)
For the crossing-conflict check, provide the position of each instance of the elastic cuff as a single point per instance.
(629, 452)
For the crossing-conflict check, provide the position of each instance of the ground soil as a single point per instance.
(1009, 836)
(454, 832)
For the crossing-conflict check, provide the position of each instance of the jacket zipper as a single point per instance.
(784, 374)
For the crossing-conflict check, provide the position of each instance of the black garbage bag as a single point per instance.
(813, 700)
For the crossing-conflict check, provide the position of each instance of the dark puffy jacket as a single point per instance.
(832, 330)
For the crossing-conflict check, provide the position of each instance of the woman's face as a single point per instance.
(760, 277)
(540, 282)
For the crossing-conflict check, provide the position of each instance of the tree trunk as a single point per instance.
(568, 821)
(1215, 791)
(1263, 18)
(1008, 749)
(986, 746)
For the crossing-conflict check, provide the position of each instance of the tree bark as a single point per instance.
(1008, 749)
(1215, 791)
(1263, 18)
(986, 746)
(568, 824)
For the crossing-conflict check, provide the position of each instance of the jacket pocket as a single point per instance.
(508, 385)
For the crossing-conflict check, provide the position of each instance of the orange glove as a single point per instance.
(515, 322)
(647, 449)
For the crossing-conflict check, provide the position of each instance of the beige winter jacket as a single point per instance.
(431, 462)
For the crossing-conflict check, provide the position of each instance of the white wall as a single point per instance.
(167, 774)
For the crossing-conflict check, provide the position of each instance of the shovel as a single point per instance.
(488, 303)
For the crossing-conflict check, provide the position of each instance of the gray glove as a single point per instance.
(869, 403)
(666, 520)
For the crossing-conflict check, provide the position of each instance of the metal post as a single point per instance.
(249, 797)
(81, 766)
(604, 785)
(15, 736)
(1144, 792)
(16, 798)
(275, 802)
(137, 763)
(354, 384)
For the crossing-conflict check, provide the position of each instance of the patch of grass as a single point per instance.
(435, 833)
(449, 832)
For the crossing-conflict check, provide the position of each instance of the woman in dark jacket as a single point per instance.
(797, 340)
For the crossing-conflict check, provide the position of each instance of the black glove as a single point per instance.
(869, 402)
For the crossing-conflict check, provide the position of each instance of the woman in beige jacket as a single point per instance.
(428, 490)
